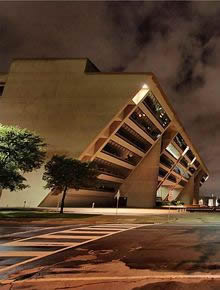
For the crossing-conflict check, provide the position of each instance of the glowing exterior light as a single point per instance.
(184, 152)
(206, 178)
(141, 94)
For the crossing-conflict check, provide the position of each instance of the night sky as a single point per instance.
(178, 41)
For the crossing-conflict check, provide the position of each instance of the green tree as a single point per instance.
(64, 173)
(21, 151)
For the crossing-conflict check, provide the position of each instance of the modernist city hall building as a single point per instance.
(122, 121)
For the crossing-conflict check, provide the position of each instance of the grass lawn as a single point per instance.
(25, 216)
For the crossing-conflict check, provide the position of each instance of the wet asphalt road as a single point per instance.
(148, 251)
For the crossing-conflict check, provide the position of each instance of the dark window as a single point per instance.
(120, 152)
(180, 141)
(112, 169)
(192, 169)
(2, 85)
(172, 178)
(104, 185)
(162, 172)
(156, 109)
(132, 137)
(142, 121)
(184, 162)
(182, 183)
(177, 170)
(203, 179)
(190, 154)
(196, 163)
(166, 161)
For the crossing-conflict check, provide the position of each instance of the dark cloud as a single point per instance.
(178, 41)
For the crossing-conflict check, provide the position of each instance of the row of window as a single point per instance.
(129, 135)
(182, 144)
(116, 150)
(152, 104)
(143, 122)
(171, 177)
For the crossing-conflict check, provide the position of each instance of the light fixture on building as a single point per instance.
(140, 94)
(145, 86)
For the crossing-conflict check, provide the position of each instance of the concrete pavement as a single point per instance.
(168, 256)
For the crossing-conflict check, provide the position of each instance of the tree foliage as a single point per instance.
(64, 173)
(20, 151)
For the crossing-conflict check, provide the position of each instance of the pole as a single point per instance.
(117, 206)
(169, 214)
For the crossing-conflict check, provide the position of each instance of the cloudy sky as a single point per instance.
(178, 41)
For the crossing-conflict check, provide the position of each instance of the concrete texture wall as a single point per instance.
(197, 187)
(141, 186)
(80, 197)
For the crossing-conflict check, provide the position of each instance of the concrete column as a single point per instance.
(197, 186)
(187, 194)
(141, 186)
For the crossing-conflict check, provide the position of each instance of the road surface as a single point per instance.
(137, 257)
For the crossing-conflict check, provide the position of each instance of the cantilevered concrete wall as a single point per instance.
(78, 111)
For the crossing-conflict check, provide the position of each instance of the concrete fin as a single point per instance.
(141, 186)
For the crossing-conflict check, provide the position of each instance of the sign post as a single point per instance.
(117, 196)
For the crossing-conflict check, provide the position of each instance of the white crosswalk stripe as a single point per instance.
(33, 248)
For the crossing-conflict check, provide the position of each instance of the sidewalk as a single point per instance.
(120, 211)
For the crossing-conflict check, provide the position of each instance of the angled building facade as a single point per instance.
(122, 121)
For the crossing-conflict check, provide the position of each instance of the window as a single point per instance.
(173, 151)
(190, 155)
(132, 137)
(184, 162)
(182, 183)
(180, 141)
(192, 169)
(162, 172)
(2, 85)
(172, 178)
(196, 163)
(120, 152)
(156, 109)
(142, 121)
(183, 172)
(166, 161)
(112, 169)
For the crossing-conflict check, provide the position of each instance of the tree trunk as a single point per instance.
(63, 199)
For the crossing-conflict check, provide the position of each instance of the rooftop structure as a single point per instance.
(122, 121)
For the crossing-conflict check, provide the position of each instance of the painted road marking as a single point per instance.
(34, 250)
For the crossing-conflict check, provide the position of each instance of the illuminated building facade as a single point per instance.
(122, 121)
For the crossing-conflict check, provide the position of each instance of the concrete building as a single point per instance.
(122, 121)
